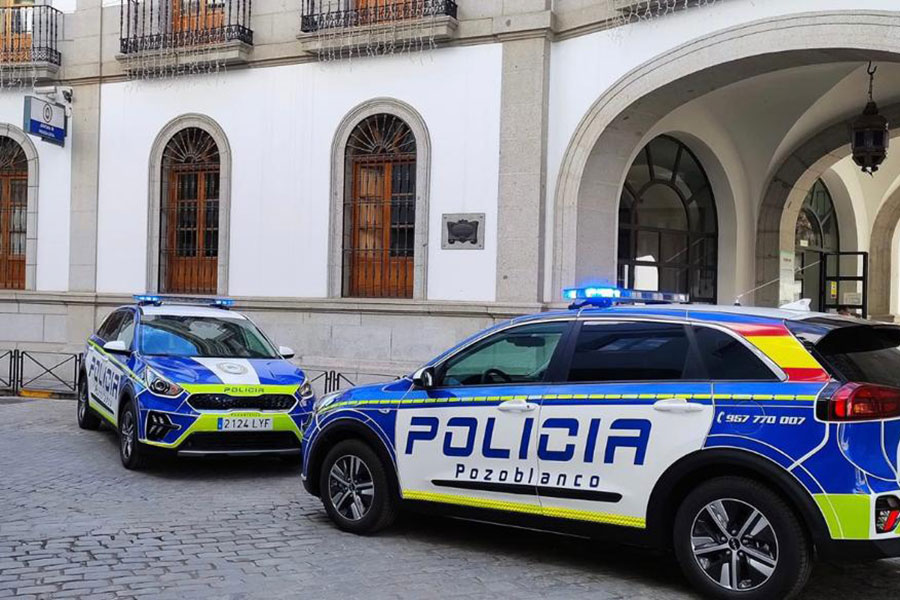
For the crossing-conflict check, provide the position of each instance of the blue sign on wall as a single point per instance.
(45, 120)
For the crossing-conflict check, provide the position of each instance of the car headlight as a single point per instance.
(159, 385)
(326, 401)
(306, 392)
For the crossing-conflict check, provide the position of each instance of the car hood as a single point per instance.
(232, 371)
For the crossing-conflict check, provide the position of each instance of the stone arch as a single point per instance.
(881, 258)
(339, 185)
(784, 195)
(31, 212)
(599, 151)
(211, 127)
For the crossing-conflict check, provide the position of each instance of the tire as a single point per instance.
(132, 452)
(773, 556)
(347, 468)
(87, 418)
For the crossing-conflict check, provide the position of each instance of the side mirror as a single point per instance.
(116, 347)
(424, 378)
(286, 352)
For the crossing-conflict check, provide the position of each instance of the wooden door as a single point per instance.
(381, 11)
(197, 16)
(382, 230)
(15, 30)
(191, 251)
(13, 219)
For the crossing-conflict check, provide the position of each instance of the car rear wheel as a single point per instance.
(355, 489)
(736, 539)
(132, 452)
(87, 418)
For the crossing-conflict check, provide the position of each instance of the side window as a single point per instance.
(629, 352)
(515, 355)
(728, 359)
(126, 329)
(110, 326)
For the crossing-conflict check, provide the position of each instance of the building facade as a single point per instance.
(373, 180)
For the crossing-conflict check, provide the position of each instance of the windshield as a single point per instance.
(173, 335)
(864, 354)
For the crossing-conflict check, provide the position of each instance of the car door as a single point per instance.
(631, 400)
(119, 364)
(98, 368)
(470, 439)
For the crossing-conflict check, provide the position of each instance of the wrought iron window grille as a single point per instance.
(341, 14)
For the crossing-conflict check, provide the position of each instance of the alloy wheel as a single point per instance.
(82, 401)
(351, 487)
(734, 544)
(127, 434)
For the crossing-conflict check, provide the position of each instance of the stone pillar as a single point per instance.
(525, 30)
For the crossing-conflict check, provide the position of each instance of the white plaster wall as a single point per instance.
(280, 122)
(583, 68)
(54, 189)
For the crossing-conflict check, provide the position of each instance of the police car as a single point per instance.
(191, 376)
(747, 440)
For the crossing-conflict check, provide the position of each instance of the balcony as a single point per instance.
(338, 26)
(181, 36)
(29, 38)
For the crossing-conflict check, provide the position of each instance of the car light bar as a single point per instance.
(607, 296)
(158, 299)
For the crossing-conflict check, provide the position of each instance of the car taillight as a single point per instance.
(863, 402)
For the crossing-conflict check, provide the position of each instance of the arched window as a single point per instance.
(668, 228)
(816, 234)
(817, 227)
(13, 213)
(189, 219)
(379, 210)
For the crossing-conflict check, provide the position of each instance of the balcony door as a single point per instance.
(380, 210)
(189, 232)
(197, 17)
(13, 214)
(15, 35)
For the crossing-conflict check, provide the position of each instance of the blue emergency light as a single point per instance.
(603, 297)
(157, 300)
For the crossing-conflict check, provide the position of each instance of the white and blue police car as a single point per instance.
(747, 440)
(190, 376)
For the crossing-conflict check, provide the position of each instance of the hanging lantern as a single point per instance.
(871, 134)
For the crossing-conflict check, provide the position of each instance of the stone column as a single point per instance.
(525, 29)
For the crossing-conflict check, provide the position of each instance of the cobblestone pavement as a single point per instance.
(74, 523)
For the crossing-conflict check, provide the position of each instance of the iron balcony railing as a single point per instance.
(29, 34)
(160, 25)
(331, 14)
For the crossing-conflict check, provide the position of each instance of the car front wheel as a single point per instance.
(355, 489)
(131, 450)
(87, 418)
(736, 539)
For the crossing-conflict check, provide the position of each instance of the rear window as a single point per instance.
(863, 353)
(629, 352)
(727, 359)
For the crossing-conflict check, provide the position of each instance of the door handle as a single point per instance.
(677, 405)
(517, 406)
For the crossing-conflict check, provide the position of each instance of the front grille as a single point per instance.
(214, 441)
(225, 402)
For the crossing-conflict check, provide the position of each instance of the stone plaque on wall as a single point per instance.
(462, 231)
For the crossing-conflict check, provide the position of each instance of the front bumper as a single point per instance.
(176, 426)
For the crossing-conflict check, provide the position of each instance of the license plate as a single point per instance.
(245, 423)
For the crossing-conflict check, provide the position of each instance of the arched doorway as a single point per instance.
(379, 211)
(668, 232)
(817, 233)
(189, 214)
(13, 214)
